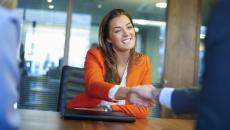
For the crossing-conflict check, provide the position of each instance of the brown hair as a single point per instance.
(109, 54)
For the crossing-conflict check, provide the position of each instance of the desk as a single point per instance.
(47, 120)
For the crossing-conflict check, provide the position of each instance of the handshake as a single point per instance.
(143, 96)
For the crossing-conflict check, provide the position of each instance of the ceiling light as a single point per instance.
(99, 6)
(51, 6)
(148, 22)
(49, 1)
(136, 29)
(161, 5)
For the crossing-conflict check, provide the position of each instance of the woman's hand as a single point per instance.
(139, 101)
(140, 95)
(146, 95)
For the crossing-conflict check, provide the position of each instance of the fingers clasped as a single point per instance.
(143, 96)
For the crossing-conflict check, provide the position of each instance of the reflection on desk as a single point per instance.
(47, 120)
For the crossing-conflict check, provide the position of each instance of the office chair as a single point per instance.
(71, 84)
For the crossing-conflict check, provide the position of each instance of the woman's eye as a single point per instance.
(130, 27)
(117, 31)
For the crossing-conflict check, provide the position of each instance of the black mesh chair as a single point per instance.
(71, 84)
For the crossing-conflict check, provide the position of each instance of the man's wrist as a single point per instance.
(165, 97)
(156, 94)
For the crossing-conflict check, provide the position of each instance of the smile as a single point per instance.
(127, 40)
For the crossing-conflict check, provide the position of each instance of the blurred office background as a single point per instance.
(58, 32)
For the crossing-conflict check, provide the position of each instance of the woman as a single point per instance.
(113, 68)
(9, 76)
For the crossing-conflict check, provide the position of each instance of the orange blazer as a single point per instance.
(139, 73)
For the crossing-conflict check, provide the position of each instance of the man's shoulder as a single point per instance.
(7, 14)
(9, 18)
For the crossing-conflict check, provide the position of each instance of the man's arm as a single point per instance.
(9, 76)
(185, 100)
(179, 100)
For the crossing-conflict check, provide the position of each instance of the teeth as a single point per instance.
(127, 40)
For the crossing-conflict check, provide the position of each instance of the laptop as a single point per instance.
(84, 114)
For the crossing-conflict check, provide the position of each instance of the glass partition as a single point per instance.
(41, 53)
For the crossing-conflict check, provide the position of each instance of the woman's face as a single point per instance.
(121, 34)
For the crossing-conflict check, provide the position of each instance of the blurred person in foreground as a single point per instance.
(9, 76)
(212, 102)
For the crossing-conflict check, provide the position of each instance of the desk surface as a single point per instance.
(46, 120)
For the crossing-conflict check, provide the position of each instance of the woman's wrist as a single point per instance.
(122, 93)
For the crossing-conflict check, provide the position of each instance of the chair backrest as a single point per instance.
(72, 84)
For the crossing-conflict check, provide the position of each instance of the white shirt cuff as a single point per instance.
(165, 97)
(113, 91)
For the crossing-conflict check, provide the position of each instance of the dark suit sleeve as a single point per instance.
(185, 100)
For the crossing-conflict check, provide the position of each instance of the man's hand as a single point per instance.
(143, 95)
(138, 100)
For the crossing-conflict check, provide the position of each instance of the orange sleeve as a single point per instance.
(83, 100)
(138, 112)
(147, 74)
(95, 85)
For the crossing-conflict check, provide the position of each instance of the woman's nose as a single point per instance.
(125, 32)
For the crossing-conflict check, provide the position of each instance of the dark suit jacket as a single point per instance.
(214, 108)
(185, 100)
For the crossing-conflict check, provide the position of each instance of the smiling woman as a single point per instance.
(40, 80)
(117, 40)
(112, 69)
